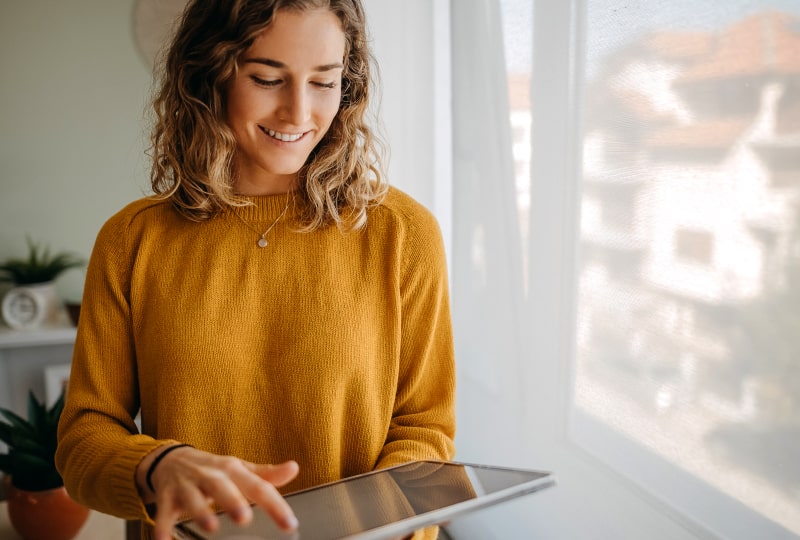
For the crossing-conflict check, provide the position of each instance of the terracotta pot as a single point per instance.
(45, 515)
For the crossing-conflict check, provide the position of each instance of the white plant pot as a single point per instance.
(30, 306)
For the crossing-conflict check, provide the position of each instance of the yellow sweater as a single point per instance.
(333, 349)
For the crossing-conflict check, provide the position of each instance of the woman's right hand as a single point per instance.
(188, 481)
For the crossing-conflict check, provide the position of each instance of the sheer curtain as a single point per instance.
(626, 249)
(487, 291)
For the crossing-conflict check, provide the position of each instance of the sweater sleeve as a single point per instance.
(423, 420)
(99, 446)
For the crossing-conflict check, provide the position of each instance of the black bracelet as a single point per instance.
(159, 457)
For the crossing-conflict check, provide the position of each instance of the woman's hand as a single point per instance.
(188, 481)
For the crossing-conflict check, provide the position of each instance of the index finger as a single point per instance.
(277, 475)
(266, 496)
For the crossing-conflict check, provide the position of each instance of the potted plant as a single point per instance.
(38, 505)
(33, 299)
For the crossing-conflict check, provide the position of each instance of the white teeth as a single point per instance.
(285, 137)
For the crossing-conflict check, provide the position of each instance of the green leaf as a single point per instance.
(39, 266)
(56, 410)
(18, 422)
(29, 446)
(5, 463)
(6, 433)
(37, 413)
(32, 444)
(30, 461)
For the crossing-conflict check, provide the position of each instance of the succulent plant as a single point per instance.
(39, 266)
(30, 460)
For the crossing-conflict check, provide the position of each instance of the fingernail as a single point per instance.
(291, 522)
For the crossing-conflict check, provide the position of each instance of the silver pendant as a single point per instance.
(262, 242)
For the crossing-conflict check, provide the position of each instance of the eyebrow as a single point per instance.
(280, 65)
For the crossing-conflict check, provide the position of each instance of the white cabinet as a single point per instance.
(24, 356)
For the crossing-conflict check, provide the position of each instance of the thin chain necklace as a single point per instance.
(262, 240)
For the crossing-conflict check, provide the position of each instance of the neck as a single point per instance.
(262, 186)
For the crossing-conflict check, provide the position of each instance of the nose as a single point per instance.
(296, 106)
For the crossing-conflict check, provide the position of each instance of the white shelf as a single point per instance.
(62, 334)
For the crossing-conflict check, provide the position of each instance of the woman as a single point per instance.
(275, 312)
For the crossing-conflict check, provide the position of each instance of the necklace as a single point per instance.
(262, 240)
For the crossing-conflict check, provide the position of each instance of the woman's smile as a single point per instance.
(283, 137)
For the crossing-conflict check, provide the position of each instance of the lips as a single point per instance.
(283, 137)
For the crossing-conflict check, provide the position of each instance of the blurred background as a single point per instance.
(619, 188)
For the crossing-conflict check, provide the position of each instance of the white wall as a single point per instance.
(71, 104)
(412, 64)
(73, 98)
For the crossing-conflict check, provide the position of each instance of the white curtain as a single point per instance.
(486, 261)
(626, 249)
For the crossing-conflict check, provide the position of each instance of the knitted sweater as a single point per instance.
(330, 348)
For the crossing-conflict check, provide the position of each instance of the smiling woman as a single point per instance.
(319, 351)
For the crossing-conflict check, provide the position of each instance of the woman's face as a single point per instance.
(284, 97)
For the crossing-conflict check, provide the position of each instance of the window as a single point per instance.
(699, 91)
(685, 374)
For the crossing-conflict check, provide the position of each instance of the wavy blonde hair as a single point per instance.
(193, 148)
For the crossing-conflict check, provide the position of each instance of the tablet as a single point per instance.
(385, 504)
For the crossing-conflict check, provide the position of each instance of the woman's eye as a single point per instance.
(325, 84)
(265, 82)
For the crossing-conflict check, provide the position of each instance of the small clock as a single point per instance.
(23, 308)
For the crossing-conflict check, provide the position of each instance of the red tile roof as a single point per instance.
(765, 43)
(680, 46)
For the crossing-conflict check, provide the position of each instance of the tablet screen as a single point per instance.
(385, 504)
